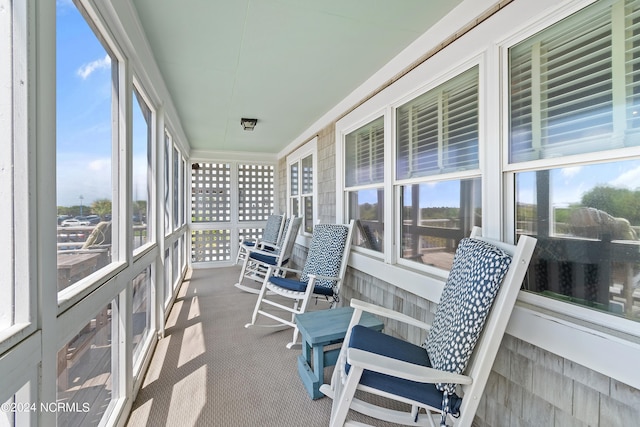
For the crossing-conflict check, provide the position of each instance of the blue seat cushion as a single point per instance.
(376, 342)
(298, 286)
(266, 259)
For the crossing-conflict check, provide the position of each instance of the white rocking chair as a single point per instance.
(258, 261)
(443, 380)
(270, 237)
(321, 276)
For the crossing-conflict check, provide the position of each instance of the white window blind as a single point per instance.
(364, 154)
(437, 132)
(632, 64)
(567, 82)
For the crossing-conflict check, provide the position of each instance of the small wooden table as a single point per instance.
(319, 329)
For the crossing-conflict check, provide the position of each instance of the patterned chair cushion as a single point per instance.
(277, 250)
(298, 286)
(266, 259)
(325, 253)
(272, 229)
(477, 271)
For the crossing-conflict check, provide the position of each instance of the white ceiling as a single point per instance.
(284, 62)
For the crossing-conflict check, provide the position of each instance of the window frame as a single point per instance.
(509, 169)
(342, 201)
(399, 183)
(16, 215)
(151, 168)
(308, 149)
(386, 106)
(121, 90)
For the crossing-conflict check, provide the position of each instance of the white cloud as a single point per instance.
(627, 179)
(571, 171)
(87, 69)
(100, 165)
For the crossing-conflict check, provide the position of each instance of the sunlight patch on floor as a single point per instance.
(192, 344)
(188, 398)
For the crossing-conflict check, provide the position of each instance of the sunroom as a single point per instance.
(161, 135)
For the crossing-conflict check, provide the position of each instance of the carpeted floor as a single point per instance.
(211, 371)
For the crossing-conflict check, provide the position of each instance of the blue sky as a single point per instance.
(569, 184)
(83, 114)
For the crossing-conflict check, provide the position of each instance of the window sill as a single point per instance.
(414, 281)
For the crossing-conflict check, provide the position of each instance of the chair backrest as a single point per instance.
(473, 283)
(474, 309)
(273, 229)
(328, 253)
(288, 240)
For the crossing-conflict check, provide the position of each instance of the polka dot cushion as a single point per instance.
(325, 253)
(477, 271)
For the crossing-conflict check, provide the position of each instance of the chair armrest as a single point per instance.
(291, 270)
(401, 369)
(269, 246)
(259, 251)
(319, 276)
(391, 314)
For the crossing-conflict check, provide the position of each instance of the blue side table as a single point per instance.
(317, 330)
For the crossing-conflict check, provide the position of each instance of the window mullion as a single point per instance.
(441, 130)
(371, 159)
(413, 141)
(618, 72)
(536, 99)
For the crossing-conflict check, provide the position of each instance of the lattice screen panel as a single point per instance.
(249, 233)
(255, 191)
(210, 245)
(210, 192)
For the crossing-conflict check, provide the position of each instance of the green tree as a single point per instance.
(101, 207)
(617, 202)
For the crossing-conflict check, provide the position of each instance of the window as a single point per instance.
(437, 142)
(14, 151)
(141, 311)
(17, 408)
(364, 183)
(167, 186)
(302, 188)
(435, 216)
(168, 289)
(85, 98)
(574, 91)
(567, 81)
(142, 167)
(87, 370)
(176, 263)
(176, 188)
(438, 131)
